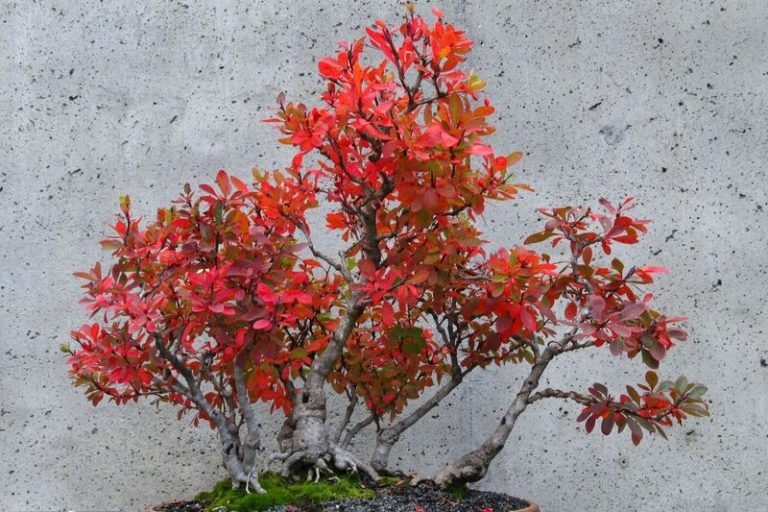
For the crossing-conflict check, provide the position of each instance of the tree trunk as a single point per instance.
(310, 442)
(381, 451)
(473, 466)
(252, 442)
(310, 434)
(230, 444)
(228, 432)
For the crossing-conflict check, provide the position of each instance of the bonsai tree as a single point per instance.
(224, 300)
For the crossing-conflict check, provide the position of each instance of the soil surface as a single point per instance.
(424, 497)
(179, 506)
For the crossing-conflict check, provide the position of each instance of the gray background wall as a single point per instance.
(664, 100)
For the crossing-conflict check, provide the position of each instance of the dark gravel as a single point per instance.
(409, 498)
(424, 497)
(179, 506)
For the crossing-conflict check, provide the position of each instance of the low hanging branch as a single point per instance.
(224, 299)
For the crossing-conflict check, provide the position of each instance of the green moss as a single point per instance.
(389, 481)
(458, 491)
(283, 492)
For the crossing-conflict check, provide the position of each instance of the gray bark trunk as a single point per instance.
(228, 434)
(310, 442)
(229, 453)
(251, 444)
(381, 451)
(473, 466)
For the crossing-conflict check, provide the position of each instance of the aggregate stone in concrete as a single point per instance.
(665, 101)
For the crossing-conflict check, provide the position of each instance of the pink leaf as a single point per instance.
(596, 306)
(262, 324)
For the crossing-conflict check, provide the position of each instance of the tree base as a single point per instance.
(317, 463)
(345, 492)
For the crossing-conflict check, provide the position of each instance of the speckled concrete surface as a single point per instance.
(662, 100)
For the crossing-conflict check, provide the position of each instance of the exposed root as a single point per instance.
(277, 456)
(319, 468)
(345, 460)
(317, 464)
(469, 468)
(252, 482)
(293, 459)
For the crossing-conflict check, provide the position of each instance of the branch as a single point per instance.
(568, 342)
(252, 442)
(323, 363)
(587, 400)
(556, 393)
(347, 416)
(243, 400)
(193, 390)
(321, 255)
(473, 465)
(352, 432)
(395, 430)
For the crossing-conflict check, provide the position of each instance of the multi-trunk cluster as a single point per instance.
(224, 300)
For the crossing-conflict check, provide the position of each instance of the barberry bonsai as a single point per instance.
(225, 300)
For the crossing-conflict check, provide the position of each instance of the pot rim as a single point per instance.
(532, 507)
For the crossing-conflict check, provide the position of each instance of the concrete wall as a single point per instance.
(664, 100)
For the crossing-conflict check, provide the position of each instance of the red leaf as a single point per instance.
(570, 311)
(239, 184)
(208, 189)
(590, 424)
(608, 206)
(480, 150)
(222, 180)
(263, 324)
(431, 200)
(367, 268)
(335, 220)
(330, 68)
(529, 321)
(387, 314)
(607, 424)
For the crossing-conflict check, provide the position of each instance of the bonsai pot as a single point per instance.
(187, 506)
(191, 506)
(532, 507)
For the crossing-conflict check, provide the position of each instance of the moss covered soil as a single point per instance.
(347, 493)
(283, 492)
